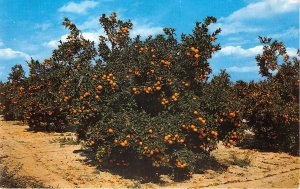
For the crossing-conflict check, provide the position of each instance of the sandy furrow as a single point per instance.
(20, 151)
(45, 159)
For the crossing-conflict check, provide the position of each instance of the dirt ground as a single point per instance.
(44, 158)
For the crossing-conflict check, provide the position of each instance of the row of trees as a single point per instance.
(151, 101)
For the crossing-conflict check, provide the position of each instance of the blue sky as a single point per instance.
(31, 28)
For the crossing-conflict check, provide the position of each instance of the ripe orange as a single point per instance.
(110, 130)
(99, 87)
(123, 144)
(232, 114)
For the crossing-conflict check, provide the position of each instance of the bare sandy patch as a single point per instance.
(44, 158)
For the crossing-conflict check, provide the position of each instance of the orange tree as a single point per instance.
(2, 107)
(272, 106)
(55, 83)
(12, 94)
(135, 100)
(145, 99)
(42, 111)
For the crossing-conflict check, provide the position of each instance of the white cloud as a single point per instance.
(235, 27)
(43, 26)
(239, 51)
(54, 43)
(250, 52)
(91, 23)
(243, 69)
(9, 53)
(290, 33)
(92, 36)
(236, 41)
(51, 44)
(291, 51)
(235, 22)
(144, 30)
(79, 8)
(264, 9)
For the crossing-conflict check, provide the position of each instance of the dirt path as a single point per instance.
(45, 159)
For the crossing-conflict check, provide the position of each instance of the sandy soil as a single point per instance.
(56, 165)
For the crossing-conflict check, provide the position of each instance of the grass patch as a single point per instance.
(65, 141)
(244, 161)
(135, 185)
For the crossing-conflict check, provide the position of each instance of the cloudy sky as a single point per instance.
(31, 28)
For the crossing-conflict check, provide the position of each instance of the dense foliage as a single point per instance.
(151, 101)
(272, 106)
